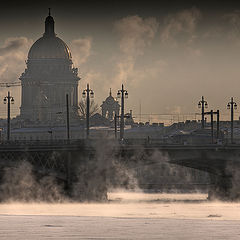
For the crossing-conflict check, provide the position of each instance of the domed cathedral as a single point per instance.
(49, 76)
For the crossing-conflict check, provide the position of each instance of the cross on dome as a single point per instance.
(49, 25)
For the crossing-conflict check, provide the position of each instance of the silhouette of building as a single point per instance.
(49, 76)
(110, 107)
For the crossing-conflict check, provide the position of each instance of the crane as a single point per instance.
(13, 84)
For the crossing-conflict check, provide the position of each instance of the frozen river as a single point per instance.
(125, 216)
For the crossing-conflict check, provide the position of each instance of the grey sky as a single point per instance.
(167, 54)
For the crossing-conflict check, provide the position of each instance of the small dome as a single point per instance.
(110, 98)
(49, 48)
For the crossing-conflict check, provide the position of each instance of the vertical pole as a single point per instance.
(122, 115)
(68, 154)
(232, 120)
(202, 111)
(115, 125)
(140, 112)
(218, 125)
(212, 125)
(87, 112)
(67, 105)
(8, 117)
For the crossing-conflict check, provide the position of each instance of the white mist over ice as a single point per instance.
(134, 204)
(127, 215)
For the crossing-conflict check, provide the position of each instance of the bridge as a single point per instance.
(85, 162)
(222, 162)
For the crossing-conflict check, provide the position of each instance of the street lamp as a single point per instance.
(7, 100)
(233, 106)
(89, 94)
(122, 94)
(202, 104)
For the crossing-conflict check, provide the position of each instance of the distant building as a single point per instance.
(129, 118)
(98, 120)
(145, 131)
(49, 76)
(110, 107)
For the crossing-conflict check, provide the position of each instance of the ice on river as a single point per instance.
(128, 215)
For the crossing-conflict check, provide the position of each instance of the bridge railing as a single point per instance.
(75, 143)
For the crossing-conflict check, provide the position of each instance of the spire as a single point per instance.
(49, 25)
(110, 93)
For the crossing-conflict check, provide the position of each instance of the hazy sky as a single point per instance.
(167, 53)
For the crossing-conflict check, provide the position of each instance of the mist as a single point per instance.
(93, 176)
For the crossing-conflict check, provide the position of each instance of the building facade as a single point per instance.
(49, 76)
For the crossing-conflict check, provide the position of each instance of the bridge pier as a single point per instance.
(225, 184)
(220, 188)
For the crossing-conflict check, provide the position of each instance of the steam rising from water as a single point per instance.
(94, 177)
(104, 173)
(19, 183)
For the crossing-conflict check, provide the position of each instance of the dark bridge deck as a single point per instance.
(211, 158)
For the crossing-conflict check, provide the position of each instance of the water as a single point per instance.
(128, 215)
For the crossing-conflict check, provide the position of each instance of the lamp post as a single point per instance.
(218, 125)
(233, 106)
(7, 100)
(122, 94)
(87, 93)
(202, 104)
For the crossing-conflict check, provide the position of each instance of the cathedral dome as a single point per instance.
(49, 46)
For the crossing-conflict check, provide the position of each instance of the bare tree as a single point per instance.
(93, 108)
